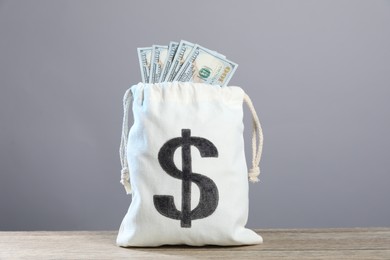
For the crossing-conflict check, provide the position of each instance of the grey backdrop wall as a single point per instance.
(317, 71)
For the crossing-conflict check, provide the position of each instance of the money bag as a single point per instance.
(183, 162)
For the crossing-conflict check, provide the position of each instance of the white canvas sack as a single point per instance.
(183, 161)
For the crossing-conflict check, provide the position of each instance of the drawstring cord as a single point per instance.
(125, 174)
(257, 147)
(257, 133)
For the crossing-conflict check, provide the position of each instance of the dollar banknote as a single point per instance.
(184, 61)
(159, 55)
(167, 64)
(182, 52)
(144, 59)
(206, 66)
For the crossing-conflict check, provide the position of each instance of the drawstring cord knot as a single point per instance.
(254, 174)
(125, 179)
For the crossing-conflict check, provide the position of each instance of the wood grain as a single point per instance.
(356, 243)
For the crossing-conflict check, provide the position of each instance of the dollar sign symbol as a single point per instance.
(208, 200)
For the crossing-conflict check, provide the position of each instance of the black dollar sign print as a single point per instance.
(208, 200)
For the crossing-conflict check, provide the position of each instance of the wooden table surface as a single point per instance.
(356, 243)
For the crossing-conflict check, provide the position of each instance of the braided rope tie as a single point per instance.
(257, 147)
(125, 173)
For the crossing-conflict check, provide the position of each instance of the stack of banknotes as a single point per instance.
(184, 61)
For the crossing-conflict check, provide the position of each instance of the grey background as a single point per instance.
(317, 71)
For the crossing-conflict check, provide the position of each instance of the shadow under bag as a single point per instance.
(183, 161)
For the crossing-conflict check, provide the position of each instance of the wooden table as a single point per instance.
(356, 243)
